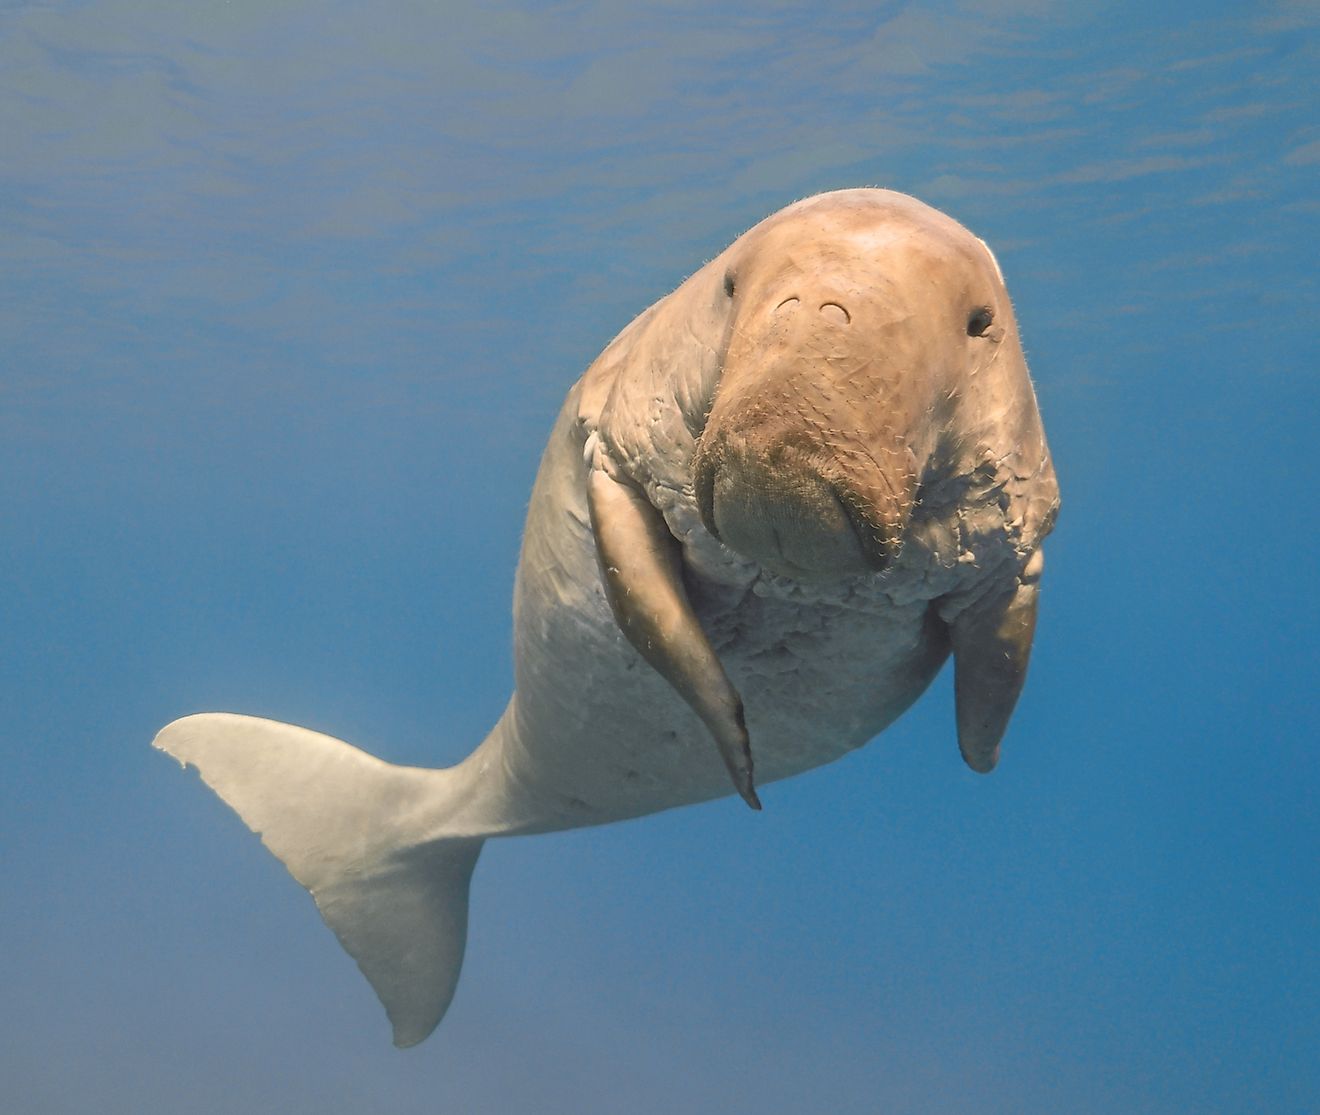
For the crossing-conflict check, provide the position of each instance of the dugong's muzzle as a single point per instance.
(786, 498)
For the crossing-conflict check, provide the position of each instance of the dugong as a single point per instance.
(766, 515)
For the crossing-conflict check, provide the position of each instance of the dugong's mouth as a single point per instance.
(788, 513)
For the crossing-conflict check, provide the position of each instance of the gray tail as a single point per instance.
(360, 834)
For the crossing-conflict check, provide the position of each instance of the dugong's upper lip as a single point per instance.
(875, 549)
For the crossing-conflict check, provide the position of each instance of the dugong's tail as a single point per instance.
(367, 838)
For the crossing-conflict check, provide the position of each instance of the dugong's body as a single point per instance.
(766, 515)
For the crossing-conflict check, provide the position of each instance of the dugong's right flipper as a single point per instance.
(361, 835)
(640, 566)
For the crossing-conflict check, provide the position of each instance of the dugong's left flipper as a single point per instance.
(641, 568)
(991, 649)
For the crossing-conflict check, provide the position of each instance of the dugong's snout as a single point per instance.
(797, 506)
(805, 461)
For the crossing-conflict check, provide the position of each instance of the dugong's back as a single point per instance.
(766, 515)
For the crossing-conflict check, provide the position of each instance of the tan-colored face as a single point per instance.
(854, 330)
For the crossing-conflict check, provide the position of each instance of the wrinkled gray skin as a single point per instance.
(766, 515)
(808, 473)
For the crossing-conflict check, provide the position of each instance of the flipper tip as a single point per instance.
(748, 793)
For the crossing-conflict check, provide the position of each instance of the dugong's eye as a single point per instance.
(978, 321)
(729, 283)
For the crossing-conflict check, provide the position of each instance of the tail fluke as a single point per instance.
(405, 924)
(360, 834)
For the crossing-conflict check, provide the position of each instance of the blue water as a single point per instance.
(289, 296)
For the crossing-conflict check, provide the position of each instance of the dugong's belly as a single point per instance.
(595, 734)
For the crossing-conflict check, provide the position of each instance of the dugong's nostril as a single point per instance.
(832, 311)
(787, 304)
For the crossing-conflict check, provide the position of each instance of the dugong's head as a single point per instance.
(844, 381)
(869, 343)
